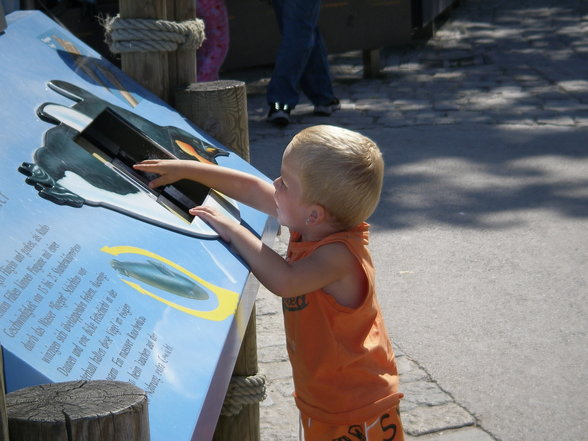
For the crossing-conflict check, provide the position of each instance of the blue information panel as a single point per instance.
(101, 277)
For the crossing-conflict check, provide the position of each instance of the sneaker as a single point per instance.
(327, 109)
(279, 114)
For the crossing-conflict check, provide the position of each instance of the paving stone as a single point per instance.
(374, 104)
(409, 371)
(276, 369)
(467, 434)
(420, 393)
(428, 419)
(266, 305)
(470, 116)
(556, 120)
(270, 354)
(269, 333)
(566, 106)
(408, 105)
(392, 119)
(581, 120)
(446, 106)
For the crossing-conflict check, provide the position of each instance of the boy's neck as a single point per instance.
(314, 233)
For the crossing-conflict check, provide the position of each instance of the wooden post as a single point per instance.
(182, 63)
(3, 418)
(78, 410)
(371, 63)
(220, 109)
(160, 72)
(150, 69)
(245, 425)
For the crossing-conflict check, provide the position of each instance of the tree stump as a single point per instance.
(220, 109)
(80, 411)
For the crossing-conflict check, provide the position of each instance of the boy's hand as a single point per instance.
(169, 170)
(225, 227)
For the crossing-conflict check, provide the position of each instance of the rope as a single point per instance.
(242, 391)
(150, 35)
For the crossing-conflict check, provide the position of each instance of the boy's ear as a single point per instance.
(317, 215)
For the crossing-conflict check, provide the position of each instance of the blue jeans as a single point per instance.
(301, 62)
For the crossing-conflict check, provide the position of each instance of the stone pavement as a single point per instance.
(485, 65)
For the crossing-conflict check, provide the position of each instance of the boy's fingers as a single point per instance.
(158, 182)
(199, 210)
(147, 162)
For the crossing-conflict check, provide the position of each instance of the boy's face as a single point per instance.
(292, 211)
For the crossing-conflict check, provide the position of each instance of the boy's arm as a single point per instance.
(326, 267)
(244, 187)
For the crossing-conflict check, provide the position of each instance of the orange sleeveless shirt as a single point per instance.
(342, 360)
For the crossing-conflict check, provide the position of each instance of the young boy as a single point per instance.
(345, 377)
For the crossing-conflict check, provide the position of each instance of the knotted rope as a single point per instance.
(150, 35)
(242, 391)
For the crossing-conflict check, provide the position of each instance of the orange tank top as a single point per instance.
(342, 360)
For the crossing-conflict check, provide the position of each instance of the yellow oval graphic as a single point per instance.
(227, 299)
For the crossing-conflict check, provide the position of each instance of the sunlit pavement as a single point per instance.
(481, 237)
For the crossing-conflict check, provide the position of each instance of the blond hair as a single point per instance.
(341, 170)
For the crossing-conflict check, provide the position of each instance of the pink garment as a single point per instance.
(212, 53)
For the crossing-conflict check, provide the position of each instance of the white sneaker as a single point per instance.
(327, 109)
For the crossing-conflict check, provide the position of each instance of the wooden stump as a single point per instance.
(220, 109)
(78, 410)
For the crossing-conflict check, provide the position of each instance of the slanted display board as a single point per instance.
(101, 277)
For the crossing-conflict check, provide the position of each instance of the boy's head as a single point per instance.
(340, 170)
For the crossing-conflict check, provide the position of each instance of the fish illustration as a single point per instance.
(159, 276)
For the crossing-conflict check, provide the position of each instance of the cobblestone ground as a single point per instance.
(486, 64)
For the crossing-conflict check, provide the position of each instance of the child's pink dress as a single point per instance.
(212, 53)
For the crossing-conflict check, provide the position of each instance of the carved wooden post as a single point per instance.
(78, 410)
(220, 109)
